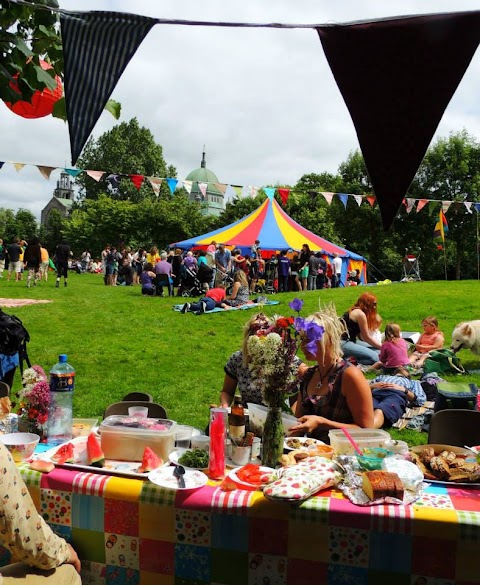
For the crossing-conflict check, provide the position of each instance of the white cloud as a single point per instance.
(264, 102)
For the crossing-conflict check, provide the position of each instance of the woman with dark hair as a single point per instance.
(303, 269)
(147, 279)
(32, 259)
(361, 320)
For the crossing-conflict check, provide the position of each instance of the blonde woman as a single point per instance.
(153, 256)
(333, 393)
(240, 292)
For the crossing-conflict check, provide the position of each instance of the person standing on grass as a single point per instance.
(33, 258)
(45, 263)
(62, 254)
(2, 258)
(337, 271)
(13, 251)
(283, 271)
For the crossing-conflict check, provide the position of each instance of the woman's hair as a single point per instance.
(306, 247)
(333, 327)
(148, 267)
(392, 332)
(254, 324)
(431, 320)
(153, 251)
(368, 304)
(240, 277)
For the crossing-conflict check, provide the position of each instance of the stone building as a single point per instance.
(213, 202)
(62, 199)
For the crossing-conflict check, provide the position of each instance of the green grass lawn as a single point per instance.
(119, 341)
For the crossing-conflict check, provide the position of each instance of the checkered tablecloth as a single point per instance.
(128, 531)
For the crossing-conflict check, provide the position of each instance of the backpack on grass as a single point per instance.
(13, 337)
(443, 361)
(456, 395)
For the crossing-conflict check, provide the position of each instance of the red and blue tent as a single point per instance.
(276, 231)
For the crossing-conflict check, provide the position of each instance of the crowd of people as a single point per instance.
(334, 392)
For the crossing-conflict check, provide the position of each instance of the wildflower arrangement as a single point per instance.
(34, 398)
(272, 349)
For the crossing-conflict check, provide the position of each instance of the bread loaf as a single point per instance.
(380, 484)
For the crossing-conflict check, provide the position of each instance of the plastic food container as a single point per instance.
(363, 437)
(257, 414)
(372, 458)
(125, 437)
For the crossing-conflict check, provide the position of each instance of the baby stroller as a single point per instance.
(190, 285)
(270, 274)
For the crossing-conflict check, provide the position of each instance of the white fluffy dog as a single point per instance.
(466, 336)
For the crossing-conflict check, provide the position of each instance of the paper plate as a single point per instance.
(163, 477)
(303, 441)
(175, 456)
(469, 455)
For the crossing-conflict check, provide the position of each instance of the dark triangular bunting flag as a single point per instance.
(397, 76)
(97, 47)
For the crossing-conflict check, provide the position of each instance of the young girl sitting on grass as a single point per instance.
(431, 338)
(394, 352)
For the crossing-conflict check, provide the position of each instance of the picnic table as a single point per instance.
(132, 531)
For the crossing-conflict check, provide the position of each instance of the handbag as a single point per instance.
(456, 395)
(443, 361)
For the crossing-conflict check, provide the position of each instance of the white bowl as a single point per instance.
(257, 415)
(20, 445)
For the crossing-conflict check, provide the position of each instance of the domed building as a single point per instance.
(213, 202)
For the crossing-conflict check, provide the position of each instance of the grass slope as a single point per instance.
(119, 341)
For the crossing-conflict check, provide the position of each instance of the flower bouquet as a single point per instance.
(34, 400)
(271, 360)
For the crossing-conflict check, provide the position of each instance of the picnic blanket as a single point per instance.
(20, 302)
(242, 308)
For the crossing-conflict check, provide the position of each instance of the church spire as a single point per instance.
(203, 164)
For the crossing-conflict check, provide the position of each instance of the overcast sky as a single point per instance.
(264, 102)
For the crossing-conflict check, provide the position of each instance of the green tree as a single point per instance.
(53, 232)
(25, 224)
(8, 226)
(127, 149)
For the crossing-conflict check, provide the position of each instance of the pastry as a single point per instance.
(381, 484)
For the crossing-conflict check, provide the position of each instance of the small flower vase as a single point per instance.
(35, 427)
(273, 437)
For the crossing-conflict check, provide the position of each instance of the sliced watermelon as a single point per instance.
(64, 454)
(95, 456)
(42, 465)
(150, 461)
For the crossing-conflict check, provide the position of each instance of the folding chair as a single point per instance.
(138, 396)
(162, 280)
(456, 427)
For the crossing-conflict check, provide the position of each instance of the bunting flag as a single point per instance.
(187, 185)
(222, 187)
(409, 204)
(468, 206)
(172, 184)
(328, 196)
(155, 184)
(73, 172)
(441, 227)
(371, 200)
(252, 191)
(137, 180)
(238, 190)
(245, 191)
(95, 175)
(358, 199)
(114, 181)
(476, 207)
(203, 188)
(97, 46)
(46, 171)
(269, 192)
(1, 164)
(284, 195)
(343, 198)
(230, 193)
(432, 206)
(18, 166)
(446, 206)
(421, 204)
(406, 87)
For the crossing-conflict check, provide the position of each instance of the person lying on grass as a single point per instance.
(392, 395)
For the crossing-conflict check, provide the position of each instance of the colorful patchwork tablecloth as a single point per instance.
(128, 531)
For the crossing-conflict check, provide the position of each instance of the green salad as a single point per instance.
(194, 458)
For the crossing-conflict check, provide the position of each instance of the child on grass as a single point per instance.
(393, 352)
(431, 338)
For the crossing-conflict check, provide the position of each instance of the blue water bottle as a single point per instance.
(62, 378)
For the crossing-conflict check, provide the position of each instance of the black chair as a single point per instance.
(154, 410)
(138, 396)
(162, 280)
(4, 389)
(456, 427)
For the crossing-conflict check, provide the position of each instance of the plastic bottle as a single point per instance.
(218, 435)
(62, 377)
(236, 421)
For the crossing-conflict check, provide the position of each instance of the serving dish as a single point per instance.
(111, 466)
(303, 443)
(163, 477)
(460, 451)
(175, 456)
(244, 484)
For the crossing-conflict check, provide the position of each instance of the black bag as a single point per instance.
(13, 337)
(456, 395)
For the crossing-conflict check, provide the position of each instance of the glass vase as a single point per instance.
(273, 437)
(35, 427)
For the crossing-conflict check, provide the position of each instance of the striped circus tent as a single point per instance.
(276, 231)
